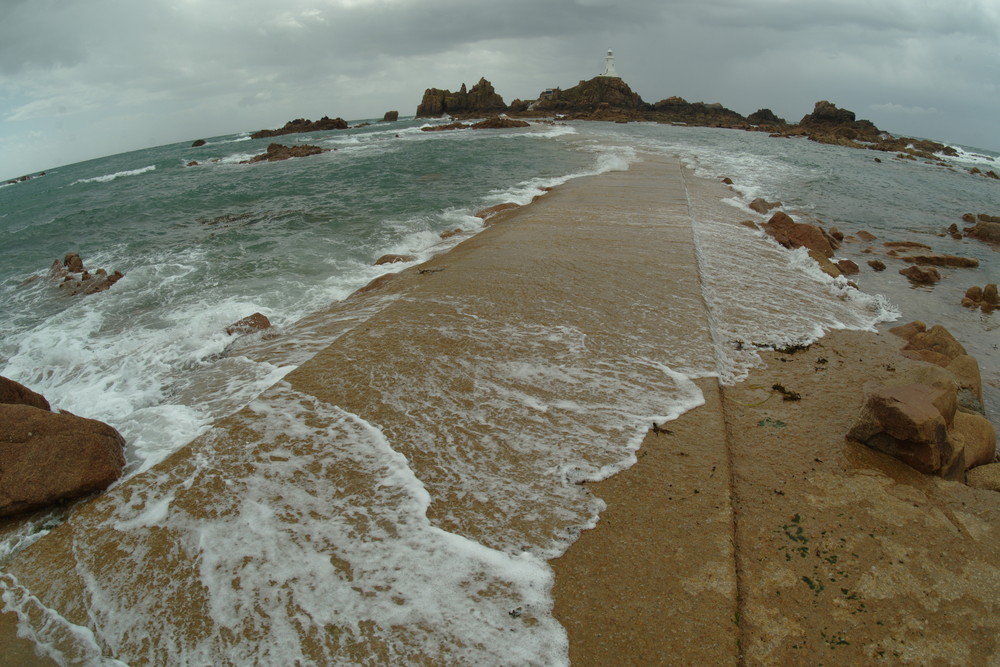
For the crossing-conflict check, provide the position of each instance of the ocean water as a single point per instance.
(205, 245)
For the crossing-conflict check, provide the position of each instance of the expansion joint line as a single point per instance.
(734, 500)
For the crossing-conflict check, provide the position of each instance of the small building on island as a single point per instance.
(609, 66)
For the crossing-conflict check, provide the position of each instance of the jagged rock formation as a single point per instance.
(303, 125)
(277, 152)
(589, 96)
(482, 99)
(390, 116)
(74, 278)
(679, 110)
(765, 117)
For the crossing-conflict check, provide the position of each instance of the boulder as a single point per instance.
(909, 330)
(982, 217)
(937, 339)
(982, 297)
(954, 232)
(866, 236)
(825, 265)
(984, 477)
(848, 268)
(877, 265)
(16, 393)
(249, 324)
(197, 143)
(74, 279)
(975, 437)
(762, 206)
(390, 116)
(921, 276)
(968, 217)
(793, 234)
(73, 262)
(48, 457)
(727, 180)
(394, 259)
(449, 126)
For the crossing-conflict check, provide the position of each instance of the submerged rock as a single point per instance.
(49, 457)
(921, 276)
(74, 278)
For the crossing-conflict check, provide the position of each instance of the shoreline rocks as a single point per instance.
(276, 152)
(47, 457)
(75, 279)
(303, 125)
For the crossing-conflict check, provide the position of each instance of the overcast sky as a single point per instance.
(86, 78)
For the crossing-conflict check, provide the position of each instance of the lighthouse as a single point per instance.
(609, 66)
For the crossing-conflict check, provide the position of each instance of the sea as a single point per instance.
(204, 239)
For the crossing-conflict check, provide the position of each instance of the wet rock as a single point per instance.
(394, 259)
(73, 278)
(876, 264)
(442, 128)
(906, 244)
(198, 142)
(968, 217)
(481, 99)
(762, 206)
(727, 180)
(866, 236)
(953, 261)
(921, 276)
(489, 212)
(14, 392)
(984, 230)
(499, 123)
(985, 298)
(938, 339)
(249, 324)
(390, 116)
(954, 232)
(909, 330)
(303, 125)
(276, 152)
(848, 268)
(793, 234)
(49, 457)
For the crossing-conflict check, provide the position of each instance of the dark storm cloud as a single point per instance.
(80, 78)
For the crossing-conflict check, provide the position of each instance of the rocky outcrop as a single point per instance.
(303, 125)
(499, 123)
(762, 206)
(587, 97)
(48, 457)
(276, 152)
(921, 418)
(16, 393)
(446, 127)
(984, 298)
(74, 278)
(394, 259)
(953, 261)
(482, 99)
(390, 117)
(793, 234)
(765, 117)
(679, 110)
(986, 229)
(197, 143)
(248, 325)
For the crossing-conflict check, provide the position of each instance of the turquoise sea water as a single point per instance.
(202, 246)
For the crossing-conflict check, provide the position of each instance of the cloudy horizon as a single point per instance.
(86, 79)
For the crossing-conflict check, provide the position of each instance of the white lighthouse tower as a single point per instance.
(609, 66)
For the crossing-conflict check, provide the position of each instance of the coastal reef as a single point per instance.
(276, 152)
(74, 278)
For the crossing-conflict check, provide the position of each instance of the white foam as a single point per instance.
(110, 177)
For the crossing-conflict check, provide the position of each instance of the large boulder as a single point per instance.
(984, 231)
(793, 234)
(921, 276)
(48, 457)
(390, 116)
(15, 392)
(248, 325)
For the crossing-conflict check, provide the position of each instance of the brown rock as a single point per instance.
(762, 206)
(249, 324)
(905, 423)
(975, 437)
(954, 232)
(489, 212)
(905, 244)
(965, 370)
(15, 392)
(974, 293)
(727, 180)
(48, 457)
(968, 217)
(303, 125)
(982, 217)
(938, 339)
(498, 123)
(793, 234)
(876, 264)
(920, 276)
(985, 231)
(376, 284)
(393, 259)
(909, 330)
(192, 163)
(73, 262)
(449, 126)
(943, 260)
(451, 232)
(990, 296)
(197, 143)
(866, 236)
(847, 267)
(984, 477)
(825, 265)
(390, 116)
(277, 152)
